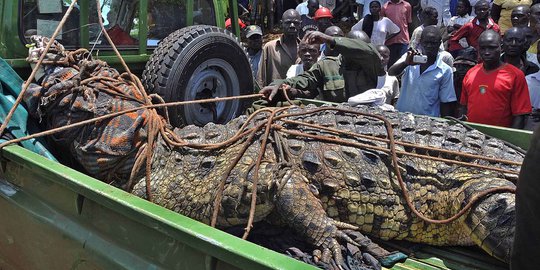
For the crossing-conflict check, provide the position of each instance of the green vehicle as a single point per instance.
(199, 59)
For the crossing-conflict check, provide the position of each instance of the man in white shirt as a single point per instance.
(386, 93)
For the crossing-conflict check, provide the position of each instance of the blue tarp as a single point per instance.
(19, 125)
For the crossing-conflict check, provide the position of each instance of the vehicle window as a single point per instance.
(203, 12)
(121, 20)
(41, 17)
(164, 17)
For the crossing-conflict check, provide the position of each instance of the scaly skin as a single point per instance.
(324, 182)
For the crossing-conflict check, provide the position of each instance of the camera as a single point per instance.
(419, 59)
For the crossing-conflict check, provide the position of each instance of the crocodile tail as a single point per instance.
(492, 220)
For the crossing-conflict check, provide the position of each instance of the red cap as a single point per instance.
(240, 23)
(323, 12)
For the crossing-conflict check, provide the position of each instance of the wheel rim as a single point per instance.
(213, 78)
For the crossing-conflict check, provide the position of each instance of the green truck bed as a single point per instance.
(54, 217)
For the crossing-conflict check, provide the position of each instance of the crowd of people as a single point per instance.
(474, 61)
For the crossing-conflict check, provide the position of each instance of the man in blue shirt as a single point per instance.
(426, 88)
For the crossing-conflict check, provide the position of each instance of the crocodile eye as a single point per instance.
(208, 162)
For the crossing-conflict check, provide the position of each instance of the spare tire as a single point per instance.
(200, 62)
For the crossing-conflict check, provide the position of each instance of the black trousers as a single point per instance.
(526, 249)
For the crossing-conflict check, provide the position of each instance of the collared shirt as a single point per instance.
(533, 82)
(254, 62)
(399, 13)
(422, 93)
(442, 7)
(471, 31)
(459, 20)
(275, 61)
(493, 97)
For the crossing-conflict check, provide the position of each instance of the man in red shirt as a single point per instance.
(472, 30)
(495, 93)
(400, 13)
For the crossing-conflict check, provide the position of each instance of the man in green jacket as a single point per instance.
(334, 78)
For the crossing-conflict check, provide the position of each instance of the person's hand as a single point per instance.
(410, 54)
(316, 37)
(269, 92)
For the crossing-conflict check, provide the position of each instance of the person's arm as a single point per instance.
(447, 94)
(305, 85)
(399, 66)
(520, 102)
(496, 12)
(462, 112)
(355, 52)
(261, 72)
(453, 42)
(518, 121)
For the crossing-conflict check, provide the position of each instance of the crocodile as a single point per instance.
(315, 186)
(324, 171)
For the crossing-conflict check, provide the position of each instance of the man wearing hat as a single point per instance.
(254, 45)
(465, 60)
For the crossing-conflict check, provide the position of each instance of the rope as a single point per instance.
(34, 71)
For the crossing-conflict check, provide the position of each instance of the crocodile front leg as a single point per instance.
(303, 212)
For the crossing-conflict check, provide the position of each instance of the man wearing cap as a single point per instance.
(254, 45)
(279, 54)
(323, 17)
(466, 59)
